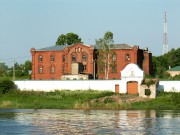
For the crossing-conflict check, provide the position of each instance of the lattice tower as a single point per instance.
(165, 38)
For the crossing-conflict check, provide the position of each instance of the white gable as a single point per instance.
(132, 71)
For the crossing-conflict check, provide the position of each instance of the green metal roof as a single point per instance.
(177, 68)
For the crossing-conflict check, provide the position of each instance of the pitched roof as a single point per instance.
(177, 68)
(61, 47)
(118, 46)
(121, 46)
(56, 48)
(52, 48)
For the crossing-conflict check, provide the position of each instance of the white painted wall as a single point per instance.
(51, 85)
(169, 86)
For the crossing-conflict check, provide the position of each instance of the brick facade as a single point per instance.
(55, 61)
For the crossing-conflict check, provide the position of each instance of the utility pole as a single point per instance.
(165, 38)
(13, 70)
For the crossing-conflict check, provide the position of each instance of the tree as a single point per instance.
(21, 70)
(61, 40)
(105, 53)
(162, 63)
(3, 69)
(68, 39)
(108, 35)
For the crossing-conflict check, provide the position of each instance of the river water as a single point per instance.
(72, 122)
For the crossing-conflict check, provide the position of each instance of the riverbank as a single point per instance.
(86, 100)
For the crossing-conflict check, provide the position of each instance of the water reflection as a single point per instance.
(89, 122)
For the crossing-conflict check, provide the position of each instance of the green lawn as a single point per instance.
(80, 99)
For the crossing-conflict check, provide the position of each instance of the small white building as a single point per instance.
(131, 78)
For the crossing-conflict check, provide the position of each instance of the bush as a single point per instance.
(6, 86)
(148, 82)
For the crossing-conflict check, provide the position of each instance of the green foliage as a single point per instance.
(175, 98)
(105, 53)
(21, 70)
(64, 99)
(148, 82)
(61, 40)
(108, 35)
(68, 39)
(3, 69)
(79, 99)
(162, 63)
(176, 77)
(6, 86)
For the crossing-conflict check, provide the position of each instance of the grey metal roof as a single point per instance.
(121, 46)
(118, 46)
(52, 48)
(61, 47)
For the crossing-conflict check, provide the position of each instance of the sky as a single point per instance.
(38, 23)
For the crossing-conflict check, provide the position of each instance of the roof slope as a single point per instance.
(117, 46)
(61, 47)
(52, 48)
(57, 48)
(177, 68)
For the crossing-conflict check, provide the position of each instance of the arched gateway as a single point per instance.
(131, 78)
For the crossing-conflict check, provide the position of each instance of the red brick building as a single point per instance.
(55, 61)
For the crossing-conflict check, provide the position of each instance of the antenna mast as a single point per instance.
(165, 39)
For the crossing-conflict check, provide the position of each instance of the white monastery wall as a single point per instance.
(51, 85)
(130, 73)
(169, 86)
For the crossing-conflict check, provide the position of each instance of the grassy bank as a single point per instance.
(86, 100)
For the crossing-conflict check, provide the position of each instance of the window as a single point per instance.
(73, 58)
(40, 69)
(63, 58)
(114, 68)
(114, 57)
(79, 49)
(40, 58)
(52, 69)
(85, 68)
(127, 57)
(63, 69)
(52, 58)
(84, 58)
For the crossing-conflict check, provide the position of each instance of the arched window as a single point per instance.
(52, 69)
(40, 58)
(128, 57)
(84, 58)
(63, 58)
(85, 67)
(40, 69)
(114, 57)
(114, 68)
(52, 58)
(73, 58)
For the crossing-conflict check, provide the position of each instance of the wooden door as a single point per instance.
(132, 87)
